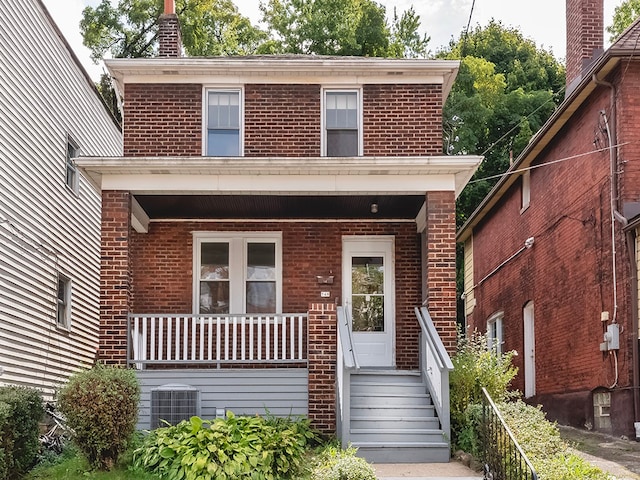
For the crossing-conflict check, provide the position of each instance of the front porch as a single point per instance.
(289, 365)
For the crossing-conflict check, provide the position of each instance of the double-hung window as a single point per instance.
(494, 332)
(63, 302)
(342, 131)
(237, 273)
(71, 171)
(223, 123)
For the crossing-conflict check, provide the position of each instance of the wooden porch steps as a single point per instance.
(393, 419)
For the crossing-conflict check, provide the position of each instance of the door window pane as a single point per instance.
(367, 294)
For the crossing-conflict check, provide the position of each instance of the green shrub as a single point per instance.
(476, 366)
(338, 464)
(540, 440)
(20, 411)
(101, 406)
(223, 449)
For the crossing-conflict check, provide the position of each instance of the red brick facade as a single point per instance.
(115, 277)
(153, 272)
(282, 120)
(441, 265)
(567, 273)
(162, 264)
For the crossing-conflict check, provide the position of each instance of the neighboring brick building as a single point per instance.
(255, 186)
(542, 274)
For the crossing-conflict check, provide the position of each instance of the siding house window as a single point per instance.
(342, 123)
(494, 332)
(71, 171)
(63, 302)
(223, 123)
(237, 273)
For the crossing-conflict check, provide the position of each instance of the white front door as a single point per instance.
(529, 351)
(368, 292)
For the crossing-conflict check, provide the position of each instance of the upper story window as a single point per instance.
(71, 171)
(223, 121)
(63, 305)
(237, 273)
(494, 332)
(526, 190)
(342, 123)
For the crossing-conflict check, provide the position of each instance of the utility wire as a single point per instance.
(466, 32)
(572, 157)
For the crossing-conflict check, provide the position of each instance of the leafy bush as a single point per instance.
(338, 464)
(476, 366)
(20, 411)
(101, 406)
(223, 449)
(540, 440)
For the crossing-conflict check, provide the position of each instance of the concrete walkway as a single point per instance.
(425, 471)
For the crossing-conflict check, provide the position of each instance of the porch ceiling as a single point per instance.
(262, 207)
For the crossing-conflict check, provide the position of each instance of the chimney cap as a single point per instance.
(169, 7)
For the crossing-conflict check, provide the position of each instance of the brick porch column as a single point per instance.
(322, 353)
(441, 264)
(115, 277)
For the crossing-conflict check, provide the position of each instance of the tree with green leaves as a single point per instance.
(505, 90)
(130, 29)
(623, 16)
(342, 27)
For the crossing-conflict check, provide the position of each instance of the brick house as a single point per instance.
(551, 255)
(268, 234)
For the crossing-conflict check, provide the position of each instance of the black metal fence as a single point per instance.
(503, 457)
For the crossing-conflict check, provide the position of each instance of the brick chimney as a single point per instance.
(585, 37)
(169, 31)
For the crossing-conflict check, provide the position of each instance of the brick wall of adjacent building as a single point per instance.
(567, 273)
(282, 120)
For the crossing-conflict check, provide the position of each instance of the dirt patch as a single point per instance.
(613, 450)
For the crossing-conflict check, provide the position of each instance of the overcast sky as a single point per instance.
(541, 20)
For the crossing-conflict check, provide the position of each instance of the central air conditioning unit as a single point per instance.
(173, 403)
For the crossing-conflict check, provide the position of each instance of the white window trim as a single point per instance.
(205, 112)
(496, 343)
(526, 190)
(323, 132)
(237, 256)
(67, 305)
(75, 184)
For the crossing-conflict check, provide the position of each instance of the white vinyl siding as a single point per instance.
(45, 227)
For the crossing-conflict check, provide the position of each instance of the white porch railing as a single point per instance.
(347, 362)
(216, 339)
(435, 366)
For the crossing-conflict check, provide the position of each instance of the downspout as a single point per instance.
(616, 215)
